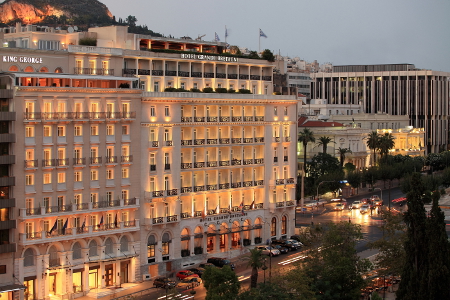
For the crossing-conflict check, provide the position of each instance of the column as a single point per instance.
(85, 279)
(62, 278)
(44, 283)
(116, 271)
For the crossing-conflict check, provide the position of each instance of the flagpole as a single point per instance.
(259, 42)
(226, 34)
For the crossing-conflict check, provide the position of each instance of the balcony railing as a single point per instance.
(183, 74)
(224, 119)
(152, 168)
(33, 211)
(208, 75)
(157, 72)
(58, 208)
(166, 166)
(111, 159)
(186, 189)
(275, 159)
(255, 77)
(224, 163)
(224, 210)
(235, 208)
(158, 193)
(82, 206)
(236, 119)
(131, 201)
(198, 213)
(285, 158)
(199, 165)
(62, 162)
(197, 74)
(199, 142)
(235, 185)
(221, 75)
(290, 180)
(211, 187)
(267, 78)
(290, 203)
(236, 162)
(211, 164)
(79, 161)
(259, 205)
(106, 203)
(259, 140)
(94, 71)
(31, 163)
(154, 144)
(287, 138)
(211, 119)
(186, 142)
(258, 182)
(171, 73)
(224, 186)
(259, 160)
(279, 181)
(172, 218)
(277, 139)
(248, 118)
(185, 215)
(186, 165)
(169, 143)
(199, 119)
(95, 160)
(143, 72)
(259, 118)
(199, 188)
(224, 141)
(244, 76)
(158, 220)
(126, 158)
(236, 140)
(211, 212)
(172, 192)
(248, 161)
(131, 223)
(248, 140)
(186, 119)
(232, 76)
(279, 204)
(247, 183)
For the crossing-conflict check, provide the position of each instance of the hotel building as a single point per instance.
(397, 89)
(110, 180)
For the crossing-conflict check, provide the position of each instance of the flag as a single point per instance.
(216, 37)
(262, 34)
(241, 206)
(226, 32)
(55, 226)
(217, 209)
(229, 209)
(101, 222)
(252, 206)
(116, 222)
(84, 225)
(65, 226)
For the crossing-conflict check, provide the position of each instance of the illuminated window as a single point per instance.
(61, 131)
(78, 176)
(273, 227)
(94, 175)
(94, 130)
(78, 130)
(29, 131)
(61, 177)
(152, 111)
(109, 174)
(110, 129)
(125, 129)
(166, 111)
(125, 173)
(29, 179)
(47, 131)
(47, 178)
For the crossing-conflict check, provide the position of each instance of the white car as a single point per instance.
(339, 206)
(356, 204)
(365, 208)
(267, 250)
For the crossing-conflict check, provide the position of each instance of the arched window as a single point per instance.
(93, 251)
(13, 69)
(76, 251)
(273, 227)
(29, 69)
(28, 258)
(124, 244)
(109, 246)
(284, 225)
(151, 246)
(53, 257)
(165, 244)
(43, 70)
(58, 70)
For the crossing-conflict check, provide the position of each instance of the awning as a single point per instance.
(74, 76)
(11, 288)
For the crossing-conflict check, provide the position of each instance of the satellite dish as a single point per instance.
(70, 29)
(75, 27)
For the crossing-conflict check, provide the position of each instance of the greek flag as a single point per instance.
(262, 34)
(216, 37)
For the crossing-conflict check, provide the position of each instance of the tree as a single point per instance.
(324, 141)
(354, 179)
(342, 152)
(438, 279)
(255, 260)
(386, 143)
(253, 54)
(296, 283)
(336, 269)
(268, 55)
(370, 176)
(414, 274)
(373, 141)
(131, 20)
(268, 290)
(221, 284)
(322, 164)
(306, 136)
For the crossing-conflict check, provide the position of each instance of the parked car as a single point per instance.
(189, 282)
(185, 273)
(280, 248)
(220, 262)
(290, 244)
(295, 243)
(339, 206)
(207, 265)
(199, 271)
(365, 208)
(267, 250)
(164, 282)
(356, 204)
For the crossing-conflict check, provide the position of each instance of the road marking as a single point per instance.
(242, 278)
(179, 296)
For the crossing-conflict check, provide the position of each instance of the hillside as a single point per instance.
(36, 11)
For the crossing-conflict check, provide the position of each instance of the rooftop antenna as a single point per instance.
(199, 38)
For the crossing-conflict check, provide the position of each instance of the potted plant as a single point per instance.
(198, 250)
(185, 252)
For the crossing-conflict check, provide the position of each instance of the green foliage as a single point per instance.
(195, 90)
(342, 153)
(268, 290)
(296, 283)
(324, 141)
(253, 54)
(208, 90)
(373, 141)
(349, 167)
(322, 164)
(386, 143)
(221, 283)
(268, 55)
(221, 90)
(354, 179)
(370, 175)
(244, 91)
(87, 41)
(306, 136)
(255, 260)
(231, 91)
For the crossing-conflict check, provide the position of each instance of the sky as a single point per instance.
(343, 32)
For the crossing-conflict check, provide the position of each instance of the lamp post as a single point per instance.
(319, 186)
(264, 269)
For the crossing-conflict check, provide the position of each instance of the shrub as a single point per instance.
(208, 90)
(221, 90)
(195, 90)
(231, 91)
(87, 41)
(244, 91)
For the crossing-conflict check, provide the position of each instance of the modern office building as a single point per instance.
(396, 89)
(116, 180)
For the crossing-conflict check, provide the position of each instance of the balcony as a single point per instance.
(208, 75)
(287, 138)
(31, 116)
(267, 78)
(248, 140)
(62, 162)
(279, 181)
(198, 213)
(212, 119)
(186, 189)
(224, 119)
(95, 160)
(93, 71)
(244, 76)
(173, 218)
(235, 185)
(236, 162)
(248, 119)
(186, 166)
(169, 143)
(211, 164)
(259, 160)
(290, 203)
(197, 74)
(199, 165)
(183, 74)
(211, 212)
(277, 139)
(199, 188)
(154, 144)
(247, 183)
(259, 205)
(158, 194)
(199, 119)
(48, 163)
(224, 163)
(275, 159)
(259, 118)
(79, 161)
(185, 215)
(171, 73)
(211, 187)
(224, 141)
(290, 180)
(236, 119)
(258, 182)
(143, 72)
(221, 75)
(106, 203)
(211, 141)
(126, 158)
(172, 192)
(152, 168)
(186, 142)
(31, 163)
(199, 142)
(285, 158)
(279, 204)
(236, 140)
(166, 167)
(186, 119)
(224, 210)
(235, 209)
(248, 161)
(157, 72)
(232, 76)
(224, 186)
(259, 140)
(255, 77)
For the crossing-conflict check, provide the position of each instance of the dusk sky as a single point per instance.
(341, 32)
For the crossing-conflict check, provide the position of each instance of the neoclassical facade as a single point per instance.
(117, 180)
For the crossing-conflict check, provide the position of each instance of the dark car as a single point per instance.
(199, 271)
(286, 244)
(164, 282)
(207, 265)
(283, 250)
(220, 262)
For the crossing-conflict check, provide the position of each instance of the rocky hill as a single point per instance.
(35, 11)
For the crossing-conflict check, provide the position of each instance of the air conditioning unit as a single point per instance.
(146, 277)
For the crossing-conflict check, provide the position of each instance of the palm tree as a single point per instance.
(373, 142)
(342, 152)
(324, 141)
(386, 143)
(255, 261)
(306, 136)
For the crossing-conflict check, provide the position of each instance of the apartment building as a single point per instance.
(116, 180)
(395, 89)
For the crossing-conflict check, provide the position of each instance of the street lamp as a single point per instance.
(318, 188)
(264, 269)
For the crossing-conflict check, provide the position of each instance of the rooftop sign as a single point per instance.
(209, 57)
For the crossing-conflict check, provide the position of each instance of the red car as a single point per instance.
(185, 273)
